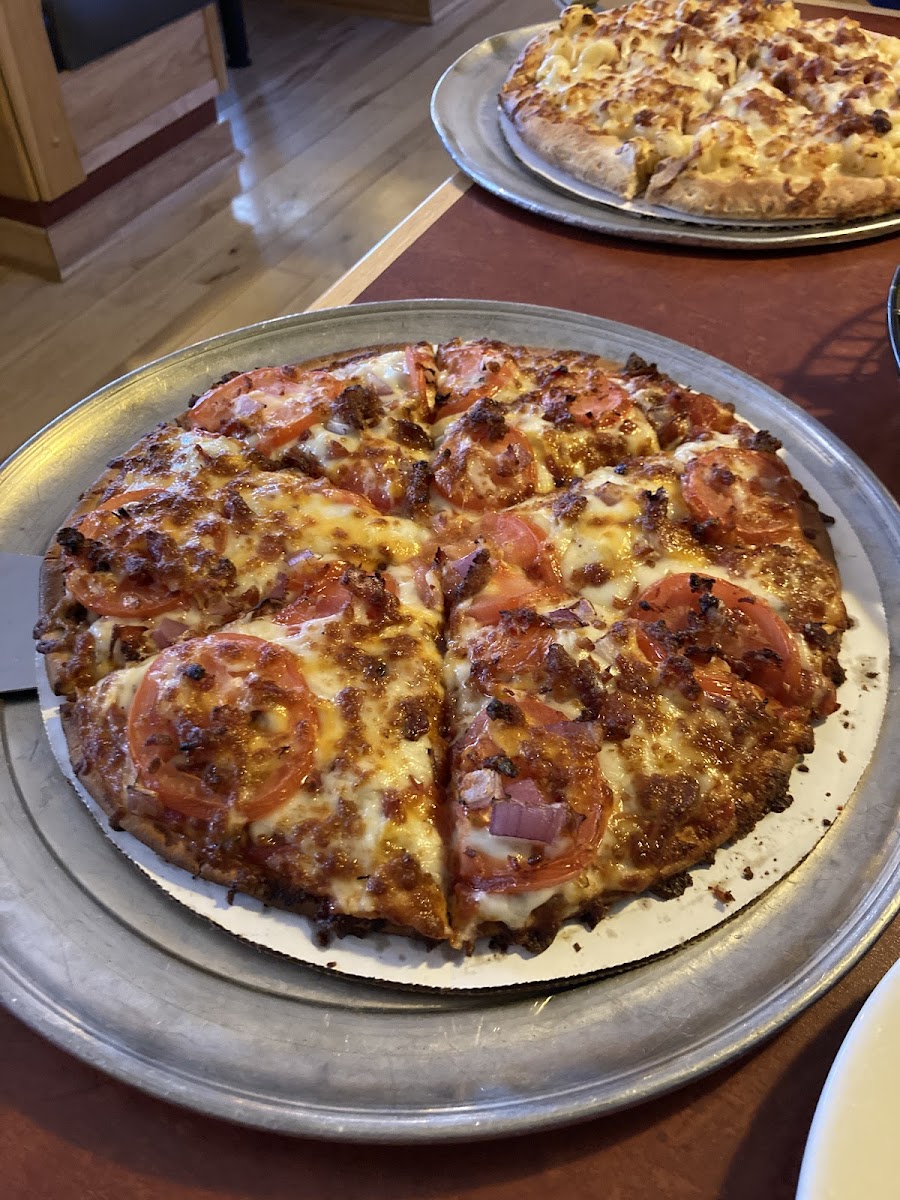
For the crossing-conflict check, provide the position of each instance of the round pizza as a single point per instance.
(732, 108)
(457, 641)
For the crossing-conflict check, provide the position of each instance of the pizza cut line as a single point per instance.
(731, 108)
(456, 641)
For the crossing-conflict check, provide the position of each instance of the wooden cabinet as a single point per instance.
(84, 152)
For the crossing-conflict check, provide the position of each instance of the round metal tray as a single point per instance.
(96, 958)
(465, 114)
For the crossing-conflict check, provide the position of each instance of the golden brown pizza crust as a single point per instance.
(833, 197)
(572, 146)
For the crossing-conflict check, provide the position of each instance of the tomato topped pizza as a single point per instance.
(732, 108)
(458, 641)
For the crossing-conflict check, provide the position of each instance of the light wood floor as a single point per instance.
(332, 123)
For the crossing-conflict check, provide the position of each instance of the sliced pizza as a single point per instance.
(292, 756)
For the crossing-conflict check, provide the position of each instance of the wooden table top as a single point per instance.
(812, 325)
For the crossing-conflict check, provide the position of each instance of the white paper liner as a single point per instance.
(563, 181)
(636, 929)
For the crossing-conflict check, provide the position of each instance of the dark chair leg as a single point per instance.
(234, 32)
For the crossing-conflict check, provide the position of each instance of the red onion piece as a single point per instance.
(219, 606)
(573, 616)
(341, 428)
(168, 631)
(278, 590)
(480, 788)
(303, 556)
(520, 817)
(461, 565)
(245, 406)
(526, 791)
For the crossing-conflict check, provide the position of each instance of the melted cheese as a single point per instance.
(730, 90)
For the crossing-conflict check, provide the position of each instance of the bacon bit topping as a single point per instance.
(656, 505)
(473, 571)
(556, 411)
(238, 512)
(881, 122)
(412, 717)
(569, 505)
(485, 420)
(502, 764)
(595, 574)
(764, 441)
(302, 460)
(418, 487)
(509, 714)
(71, 540)
(381, 607)
(408, 433)
(563, 678)
(356, 407)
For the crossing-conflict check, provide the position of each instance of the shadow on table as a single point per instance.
(767, 1161)
(844, 380)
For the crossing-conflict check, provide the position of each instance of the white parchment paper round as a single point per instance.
(636, 929)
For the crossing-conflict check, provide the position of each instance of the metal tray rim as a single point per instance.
(834, 957)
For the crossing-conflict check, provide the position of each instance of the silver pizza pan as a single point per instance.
(98, 960)
(465, 114)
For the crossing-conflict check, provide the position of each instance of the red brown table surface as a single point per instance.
(812, 325)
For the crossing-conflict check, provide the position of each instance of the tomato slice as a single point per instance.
(521, 544)
(107, 592)
(476, 474)
(502, 657)
(739, 630)
(471, 371)
(275, 404)
(512, 542)
(379, 474)
(319, 592)
(324, 596)
(223, 721)
(745, 495)
(507, 589)
(105, 516)
(595, 406)
(538, 753)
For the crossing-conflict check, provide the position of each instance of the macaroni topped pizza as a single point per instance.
(716, 107)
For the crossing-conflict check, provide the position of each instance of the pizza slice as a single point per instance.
(360, 420)
(292, 756)
(512, 422)
(184, 534)
(612, 636)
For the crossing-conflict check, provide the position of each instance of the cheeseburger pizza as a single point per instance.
(716, 107)
(457, 641)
